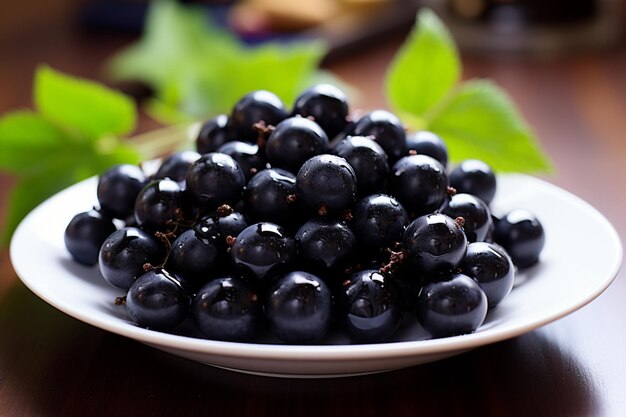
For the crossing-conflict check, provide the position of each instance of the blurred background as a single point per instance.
(563, 62)
(157, 54)
(80, 36)
(482, 25)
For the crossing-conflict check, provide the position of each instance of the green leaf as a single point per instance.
(67, 166)
(425, 68)
(283, 70)
(203, 70)
(175, 37)
(481, 122)
(71, 137)
(89, 108)
(26, 140)
(27, 194)
(166, 112)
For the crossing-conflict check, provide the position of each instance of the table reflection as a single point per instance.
(91, 372)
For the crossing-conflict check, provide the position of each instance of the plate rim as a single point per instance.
(328, 353)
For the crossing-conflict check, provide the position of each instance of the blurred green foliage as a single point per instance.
(198, 70)
(72, 135)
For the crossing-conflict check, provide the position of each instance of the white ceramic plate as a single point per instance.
(572, 272)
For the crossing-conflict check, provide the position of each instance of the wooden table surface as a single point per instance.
(54, 365)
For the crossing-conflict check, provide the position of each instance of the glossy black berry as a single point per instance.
(427, 143)
(491, 267)
(370, 306)
(257, 106)
(227, 309)
(325, 245)
(219, 228)
(250, 159)
(474, 177)
(124, 254)
(452, 307)
(298, 308)
(296, 222)
(435, 244)
(379, 221)
(295, 140)
(326, 183)
(409, 283)
(522, 236)
(161, 205)
(214, 133)
(195, 258)
(368, 160)
(386, 129)
(270, 196)
(262, 250)
(476, 215)
(327, 105)
(420, 183)
(118, 188)
(157, 301)
(85, 234)
(175, 167)
(215, 179)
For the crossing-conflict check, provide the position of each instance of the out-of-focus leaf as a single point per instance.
(27, 140)
(72, 136)
(87, 107)
(175, 38)
(27, 194)
(199, 70)
(285, 71)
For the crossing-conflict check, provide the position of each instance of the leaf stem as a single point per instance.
(158, 142)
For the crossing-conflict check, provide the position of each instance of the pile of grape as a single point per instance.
(273, 227)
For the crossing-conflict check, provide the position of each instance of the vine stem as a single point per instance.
(156, 143)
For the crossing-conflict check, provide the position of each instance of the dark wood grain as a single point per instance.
(53, 365)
